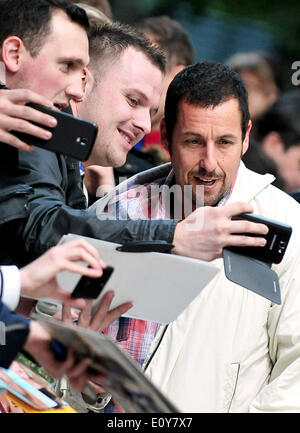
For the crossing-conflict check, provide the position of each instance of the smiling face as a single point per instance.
(207, 146)
(56, 71)
(122, 102)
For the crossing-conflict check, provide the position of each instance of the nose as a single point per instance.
(142, 120)
(208, 160)
(75, 89)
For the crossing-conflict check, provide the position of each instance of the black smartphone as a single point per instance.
(71, 136)
(90, 288)
(277, 238)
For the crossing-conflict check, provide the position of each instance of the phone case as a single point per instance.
(72, 136)
(253, 274)
(277, 238)
(90, 288)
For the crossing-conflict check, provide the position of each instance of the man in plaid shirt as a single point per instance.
(140, 197)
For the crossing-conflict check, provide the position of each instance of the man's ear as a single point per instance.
(163, 135)
(88, 80)
(12, 52)
(87, 85)
(246, 139)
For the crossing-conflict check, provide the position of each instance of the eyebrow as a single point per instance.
(139, 92)
(195, 134)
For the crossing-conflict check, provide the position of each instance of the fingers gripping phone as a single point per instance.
(71, 136)
(277, 238)
(90, 288)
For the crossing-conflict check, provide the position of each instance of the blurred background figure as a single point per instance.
(102, 5)
(175, 43)
(170, 36)
(95, 15)
(257, 160)
(261, 75)
(278, 132)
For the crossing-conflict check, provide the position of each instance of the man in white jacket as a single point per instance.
(231, 350)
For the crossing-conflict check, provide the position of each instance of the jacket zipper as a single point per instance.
(155, 350)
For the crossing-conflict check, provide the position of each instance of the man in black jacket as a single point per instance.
(42, 42)
(57, 203)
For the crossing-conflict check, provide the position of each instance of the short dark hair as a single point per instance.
(171, 37)
(108, 41)
(206, 84)
(283, 118)
(30, 20)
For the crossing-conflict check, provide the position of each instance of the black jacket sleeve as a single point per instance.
(57, 207)
(14, 330)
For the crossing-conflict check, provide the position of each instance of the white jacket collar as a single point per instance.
(248, 184)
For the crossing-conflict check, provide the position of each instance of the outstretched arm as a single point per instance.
(208, 230)
(38, 279)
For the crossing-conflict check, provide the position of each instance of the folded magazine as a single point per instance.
(123, 378)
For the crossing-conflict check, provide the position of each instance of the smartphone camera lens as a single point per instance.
(82, 141)
(282, 245)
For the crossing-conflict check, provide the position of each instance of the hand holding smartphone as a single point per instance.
(71, 136)
(277, 238)
(90, 288)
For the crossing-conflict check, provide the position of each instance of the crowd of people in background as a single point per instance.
(231, 128)
(263, 76)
